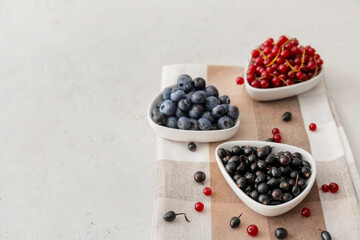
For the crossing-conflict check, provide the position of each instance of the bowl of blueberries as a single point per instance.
(270, 178)
(193, 111)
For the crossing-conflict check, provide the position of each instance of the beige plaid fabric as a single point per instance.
(176, 190)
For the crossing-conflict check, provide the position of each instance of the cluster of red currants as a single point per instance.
(282, 63)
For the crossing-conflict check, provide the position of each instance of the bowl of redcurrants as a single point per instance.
(282, 69)
(191, 110)
(270, 178)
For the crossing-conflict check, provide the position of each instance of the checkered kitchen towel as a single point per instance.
(176, 190)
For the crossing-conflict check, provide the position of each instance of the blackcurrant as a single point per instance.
(286, 116)
(199, 176)
(171, 215)
(235, 222)
(281, 233)
(192, 146)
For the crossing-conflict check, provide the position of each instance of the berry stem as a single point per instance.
(288, 63)
(240, 215)
(264, 56)
(297, 178)
(280, 79)
(283, 46)
(272, 62)
(184, 216)
(316, 67)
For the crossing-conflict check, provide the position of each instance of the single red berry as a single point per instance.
(255, 84)
(295, 42)
(275, 50)
(276, 73)
(319, 62)
(276, 81)
(288, 46)
(271, 40)
(312, 126)
(306, 212)
(259, 69)
(265, 74)
(283, 76)
(310, 65)
(239, 80)
(333, 187)
(277, 138)
(282, 68)
(270, 56)
(297, 60)
(325, 188)
(275, 131)
(280, 60)
(258, 61)
(289, 82)
(252, 230)
(267, 62)
(294, 50)
(207, 191)
(251, 69)
(310, 50)
(199, 206)
(299, 75)
(282, 40)
(267, 50)
(255, 53)
(291, 74)
(264, 83)
(285, 53)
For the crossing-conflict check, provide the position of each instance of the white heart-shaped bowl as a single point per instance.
(268, 210)
(269, 94)
(190, 135)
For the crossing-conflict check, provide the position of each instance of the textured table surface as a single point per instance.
(77, 155)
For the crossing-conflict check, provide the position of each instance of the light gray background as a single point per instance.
(77, 156)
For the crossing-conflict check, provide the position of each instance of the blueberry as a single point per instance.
(218, 111)
(211, 102)
(226, 106)
(225, 122)
(185, 83)
(211, 91)
(184, 123)
(209, 116)
(214, 126)
(225, 99)
(177, 94)
(179, 113)
(188, 95)
(196, 111)
(184, 105)
(233, 112)
(198, 97)
(166, 93)
(154, 111)
(167, 107)
(204, 124)
(199, 83)
(159, 103)
(159, 118)
(193, 124)
(171, 122)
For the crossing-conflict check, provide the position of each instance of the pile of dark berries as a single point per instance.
(267, 177)
(192, 105)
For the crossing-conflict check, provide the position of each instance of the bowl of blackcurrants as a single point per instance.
(270, 178)
(282, 69)
(190, 110)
